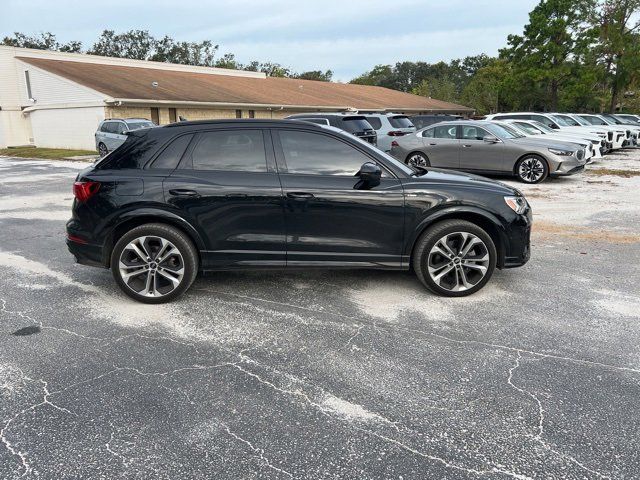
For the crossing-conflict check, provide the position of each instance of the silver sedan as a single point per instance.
(488, 148)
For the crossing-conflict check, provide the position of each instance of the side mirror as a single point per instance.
(491, 139)
(125, 132)
(370, 175)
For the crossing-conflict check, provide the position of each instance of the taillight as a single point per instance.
(396, 133)
(394, 144)
(83, 191)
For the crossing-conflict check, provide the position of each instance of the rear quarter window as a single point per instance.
(172, 154)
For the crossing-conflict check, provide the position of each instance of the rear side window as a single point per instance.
(317, 154)
(445, 131)
(171, 156)
(400, 122)
(375, 122)
(109, 127)
(233, 150)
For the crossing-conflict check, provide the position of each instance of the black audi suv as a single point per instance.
(194, 197)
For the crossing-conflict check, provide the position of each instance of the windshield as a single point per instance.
(542, 127)
(516, 128)
(503, 131)
(356, 124)
(560, 121)
(567, 119)
(529, 129)
(607, 121)
(137, 125)
(582, 121)
(593, 120)
(400, 122)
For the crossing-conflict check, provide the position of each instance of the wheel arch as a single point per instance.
(482, 218)
(136, 218)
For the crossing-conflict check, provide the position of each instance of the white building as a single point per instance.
(56, 100)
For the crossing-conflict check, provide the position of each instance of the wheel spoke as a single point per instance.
(168, 274)
(445, 271)
(166, 247)
(132, 246)
(463, 277)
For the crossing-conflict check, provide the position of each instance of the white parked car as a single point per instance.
(388, 126)
(589, 151)
(620, 135)
(631, 131)
(559, 124)
(531, 127)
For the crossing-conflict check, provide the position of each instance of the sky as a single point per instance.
(348, 37)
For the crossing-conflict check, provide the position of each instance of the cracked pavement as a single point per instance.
(326, 374)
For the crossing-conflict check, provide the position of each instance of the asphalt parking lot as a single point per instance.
(326, 374)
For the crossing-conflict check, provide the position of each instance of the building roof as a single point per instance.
(136, 84)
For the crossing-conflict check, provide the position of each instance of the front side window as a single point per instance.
(445, 131)
(120, 128)
(317, 154)
(232, 150)
(473, 133)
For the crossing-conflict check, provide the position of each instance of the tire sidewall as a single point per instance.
(545, 165)
(105, 149)
(435, 233)
(175, 236)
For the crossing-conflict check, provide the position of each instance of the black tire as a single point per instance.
(424, 253)
(412, 157)
(102, 149)
(185, 260)
(532, 169)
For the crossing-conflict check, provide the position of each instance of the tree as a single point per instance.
(617, 23)
(136, 44)
(45, 41)
(554, 38)
(439, 88)
(485, 92)
(315, 75)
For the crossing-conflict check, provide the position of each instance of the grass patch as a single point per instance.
(614, 172)
(48, 153)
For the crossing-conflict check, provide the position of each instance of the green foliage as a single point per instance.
(317, 75)
(44, 41)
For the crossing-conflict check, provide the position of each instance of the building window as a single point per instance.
(172, 115)
(238, 113)
(252, 114)
(27, 82)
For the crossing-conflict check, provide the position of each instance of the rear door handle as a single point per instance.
(466, 146)
(182, 192)
(433, 144)
(300, 195)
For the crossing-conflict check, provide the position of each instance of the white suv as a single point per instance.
(388, 126)
(112, 133)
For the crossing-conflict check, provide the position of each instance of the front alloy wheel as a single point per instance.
(532, 170)
(102, 150)
(151, 266)
(458, 261)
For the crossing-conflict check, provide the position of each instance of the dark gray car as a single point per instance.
(488, 147)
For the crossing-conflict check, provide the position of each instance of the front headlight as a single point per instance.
(517, 204)
(562, 153)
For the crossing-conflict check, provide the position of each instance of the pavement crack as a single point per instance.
(258, 451)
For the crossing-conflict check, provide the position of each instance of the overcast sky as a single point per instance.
(346, 36)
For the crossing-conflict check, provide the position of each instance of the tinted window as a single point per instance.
(375, 122)
(109, 127)
(170, 156)
(311, 153)
(429, 133)
(473, 133)
(236, 150)
(544, 120)
(445, 131)
(355, 124)
(400, 122)
(104, 127)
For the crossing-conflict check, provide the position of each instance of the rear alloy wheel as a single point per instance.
(154, 263)
(532, 169)
(102, 150)
(417, 159)
(455, 258)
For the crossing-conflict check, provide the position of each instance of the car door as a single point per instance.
(119, 136)
(331, 220)
(227, 186)
(108, 135)
(478, 155)
(442, 146)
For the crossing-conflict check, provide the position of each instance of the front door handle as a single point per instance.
(183, 192)
(466, 146)
(433, 144)
(300, 195)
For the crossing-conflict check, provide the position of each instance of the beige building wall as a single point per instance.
(127, 112)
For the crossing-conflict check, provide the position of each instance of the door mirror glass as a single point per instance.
(490, 139)
(369, 174)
